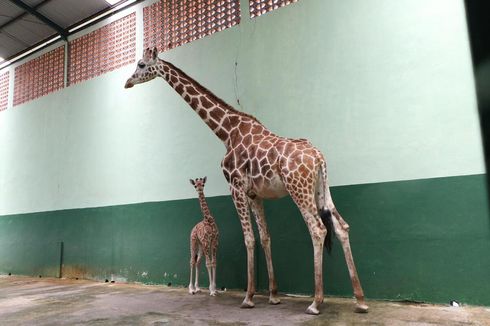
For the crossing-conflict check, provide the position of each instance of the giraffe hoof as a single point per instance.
(247, 304)
(213, 293)
(312, 311)
(197, 290)
(274, 300)
(361, 308)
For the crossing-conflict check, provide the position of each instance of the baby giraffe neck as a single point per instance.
(204, 206)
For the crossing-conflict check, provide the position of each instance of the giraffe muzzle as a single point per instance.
(128, 84)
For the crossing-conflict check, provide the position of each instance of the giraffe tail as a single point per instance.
(325, 205)
(326, 217)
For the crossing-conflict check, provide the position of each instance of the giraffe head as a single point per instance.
(198, 183)
(146, 69)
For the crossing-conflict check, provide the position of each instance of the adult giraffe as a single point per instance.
(261, 165)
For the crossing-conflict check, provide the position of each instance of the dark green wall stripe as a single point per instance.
(425, 240)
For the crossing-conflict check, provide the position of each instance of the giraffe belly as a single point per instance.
(270, 189)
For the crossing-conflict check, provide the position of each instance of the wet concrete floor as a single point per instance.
(34, 301)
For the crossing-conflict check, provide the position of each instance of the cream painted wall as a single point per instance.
(383, 88)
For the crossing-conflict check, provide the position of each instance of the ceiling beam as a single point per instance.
(60, 30)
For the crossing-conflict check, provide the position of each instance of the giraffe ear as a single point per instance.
(154, 53)
(204, 180)
(147, 54)
(192, 182)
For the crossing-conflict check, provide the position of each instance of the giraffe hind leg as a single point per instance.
(318, 232)
(304, 198)
(326, 217)
(342, 233)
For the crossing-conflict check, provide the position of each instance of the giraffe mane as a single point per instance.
(211, 94)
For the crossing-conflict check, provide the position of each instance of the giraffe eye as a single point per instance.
(141, 65)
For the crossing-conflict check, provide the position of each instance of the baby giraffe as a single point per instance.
(204, 239)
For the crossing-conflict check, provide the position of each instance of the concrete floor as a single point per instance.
(34, 301)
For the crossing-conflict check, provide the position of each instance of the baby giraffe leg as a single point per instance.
(198, 263)
(192, 264)
(212, 288)
(192, 290)
(213, 270)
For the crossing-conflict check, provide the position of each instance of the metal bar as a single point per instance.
(61, 31)
(62, 247)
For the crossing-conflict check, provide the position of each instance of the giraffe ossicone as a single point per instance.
(261, 165)
(204, 240)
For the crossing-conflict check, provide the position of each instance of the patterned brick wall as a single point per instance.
(39, 76)
(4, 90)
(260, 7)
(103, 50)
(168, 24)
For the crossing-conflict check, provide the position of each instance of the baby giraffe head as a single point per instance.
(198, 183)
(146, 69)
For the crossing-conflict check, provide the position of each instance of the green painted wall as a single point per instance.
(424, 240)
(383, 88)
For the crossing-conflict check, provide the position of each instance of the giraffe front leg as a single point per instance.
(213, 270)
(197, 289)
(209, 266)
(258, 211)
(240, 201)
(250, 244)
(192, 289)
(342, 233)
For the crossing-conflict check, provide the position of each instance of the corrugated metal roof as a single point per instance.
(25, 24)
(8, 10)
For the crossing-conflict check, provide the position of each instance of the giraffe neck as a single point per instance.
(204, 206)
(220, 117)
